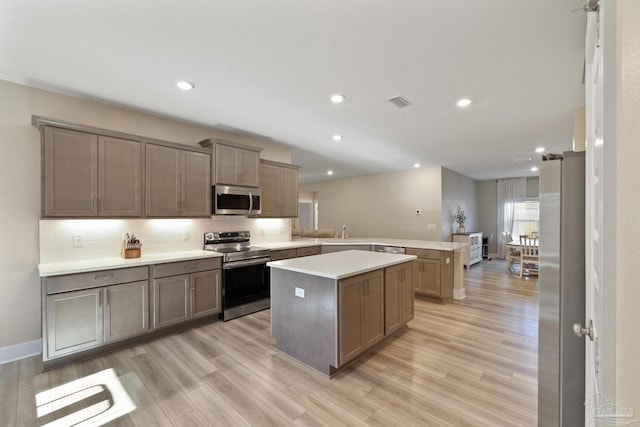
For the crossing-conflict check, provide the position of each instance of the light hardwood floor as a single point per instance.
(471, 362)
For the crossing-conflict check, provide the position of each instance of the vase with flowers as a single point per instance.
(460, 219)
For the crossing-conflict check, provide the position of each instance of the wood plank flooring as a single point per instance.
(471, 362)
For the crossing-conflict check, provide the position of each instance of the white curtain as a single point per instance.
(510, 191)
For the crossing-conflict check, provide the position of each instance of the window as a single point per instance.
(526, 218)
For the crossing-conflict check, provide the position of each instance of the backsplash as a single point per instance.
(101, 238)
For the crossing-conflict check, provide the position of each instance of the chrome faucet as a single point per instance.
(344, 231)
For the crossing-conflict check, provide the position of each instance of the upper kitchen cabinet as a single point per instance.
(235, 164)
(279, 189)
(89, 175)
(178, 182)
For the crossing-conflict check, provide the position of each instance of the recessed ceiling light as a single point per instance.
(337, 137)
(185, 85)
(534, 169)
(540, 150)
(416, 165)
(464, 102)
(329, 172)
(337, 98)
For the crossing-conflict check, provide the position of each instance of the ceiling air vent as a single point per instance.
(399, 101)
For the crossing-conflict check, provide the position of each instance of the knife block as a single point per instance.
(129, 253)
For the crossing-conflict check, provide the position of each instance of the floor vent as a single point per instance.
(399, 101)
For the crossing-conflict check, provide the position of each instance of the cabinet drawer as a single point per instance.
(312, 250)
(424, 253)
(283, 254)
(185, 267)
(70, 282)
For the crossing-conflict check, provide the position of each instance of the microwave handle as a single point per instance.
(250, 202)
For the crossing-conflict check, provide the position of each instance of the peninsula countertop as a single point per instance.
(340, 265)
(406, 243)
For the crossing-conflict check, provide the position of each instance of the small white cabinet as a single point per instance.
(474, 254)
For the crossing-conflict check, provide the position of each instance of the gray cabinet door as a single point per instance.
(206, 296)
(126, 310)
(74, 321)
(70, 173)
(170, 300)
(119, 177)
(196, 184)
(163, 168)
(270, 200)
(289, 192)
(248, 164)
(237, 166)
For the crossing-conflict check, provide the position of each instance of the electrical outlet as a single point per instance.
(77, 240)
(186, 235)
(432, 227)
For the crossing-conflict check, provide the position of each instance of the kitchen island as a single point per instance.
(326, 310)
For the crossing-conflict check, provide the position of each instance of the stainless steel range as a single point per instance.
(245, 275)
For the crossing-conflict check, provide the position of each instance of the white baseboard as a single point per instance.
(459, 294)
(20, 351)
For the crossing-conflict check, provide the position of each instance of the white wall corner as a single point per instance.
(20, 351)
(459, 294)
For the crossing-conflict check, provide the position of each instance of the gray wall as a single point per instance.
(457, 190)
(382, 205)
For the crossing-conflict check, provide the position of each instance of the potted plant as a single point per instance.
(460, 219)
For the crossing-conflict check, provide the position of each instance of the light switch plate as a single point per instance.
(432, 227)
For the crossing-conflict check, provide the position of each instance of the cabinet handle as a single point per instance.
(108, 298)
(103, 277)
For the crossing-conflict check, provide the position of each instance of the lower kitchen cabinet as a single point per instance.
(126, 310)
(433, 272)
(180, 297)
(398, 296)
(86, 310)
(360, 314)
(74, 322)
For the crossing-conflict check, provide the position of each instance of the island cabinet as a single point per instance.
(178, 182)
(86, 310)
(398, 296)
(279, 189)
(328, 309)
(433, 272)
(361, 314)
(90, 175)
(185, 290)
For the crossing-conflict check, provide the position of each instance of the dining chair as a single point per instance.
(529, 255)
(513, 254)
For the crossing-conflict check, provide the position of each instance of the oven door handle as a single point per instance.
(248, 263)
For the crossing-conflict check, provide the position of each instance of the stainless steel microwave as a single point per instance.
(230, 200)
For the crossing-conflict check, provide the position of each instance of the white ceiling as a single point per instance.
(269, 67)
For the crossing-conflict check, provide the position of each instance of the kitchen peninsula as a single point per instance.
(326, 310)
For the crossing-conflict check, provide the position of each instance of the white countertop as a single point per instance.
(339, 265)
(406, 243)
(70, 267)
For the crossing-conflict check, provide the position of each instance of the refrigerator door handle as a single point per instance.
(580, 331)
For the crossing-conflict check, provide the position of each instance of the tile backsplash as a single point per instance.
(75, 240)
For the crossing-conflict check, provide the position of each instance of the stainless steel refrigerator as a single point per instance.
(561, 360)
